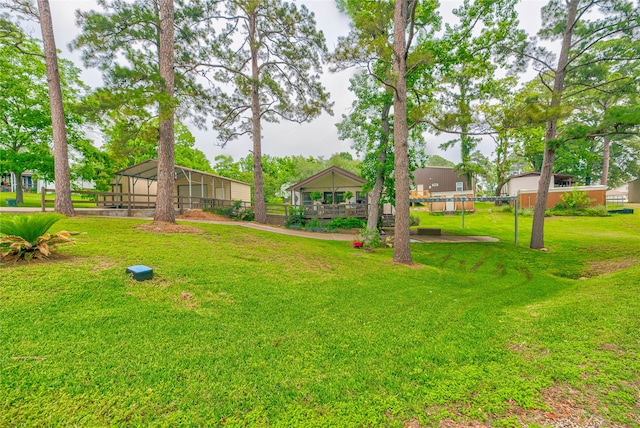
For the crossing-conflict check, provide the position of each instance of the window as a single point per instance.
(459, 186)
(306, 198)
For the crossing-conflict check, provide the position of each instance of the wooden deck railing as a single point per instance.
(329, 211)
(131, 201)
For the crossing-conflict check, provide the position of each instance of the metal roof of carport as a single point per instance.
(148, 170)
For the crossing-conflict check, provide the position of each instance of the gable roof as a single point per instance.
(148, 170)
(331, 169)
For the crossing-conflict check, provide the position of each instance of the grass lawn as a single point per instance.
(246, 328)
(35, 200)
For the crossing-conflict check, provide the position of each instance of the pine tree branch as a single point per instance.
(588, 87)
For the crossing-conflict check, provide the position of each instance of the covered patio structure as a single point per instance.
(135, 187)
(333, 192)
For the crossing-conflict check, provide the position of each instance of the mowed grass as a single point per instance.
(247, 328)
(33, 200)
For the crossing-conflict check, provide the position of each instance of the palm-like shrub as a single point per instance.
(26, 237)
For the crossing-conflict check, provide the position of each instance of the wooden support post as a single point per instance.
(129, 213)
(516, 218)
(43, 199)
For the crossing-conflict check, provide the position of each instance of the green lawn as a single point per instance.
(246, 328)
(35, 200)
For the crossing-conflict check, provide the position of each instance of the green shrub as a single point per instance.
(414, 220)
(29, 227)
(575, 200)
(346, 223)
(295, 217)
(225, 211)
(274, 200)
(26, 237)
(236, 211)
(559, 210)
(244, 214)
(526, 212)
(315, 196)
(370, 238)
(597, 211)
(313, 223)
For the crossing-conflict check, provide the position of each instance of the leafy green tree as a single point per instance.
(592, 106)
(25, 119)
(148, 69)
(129, 142)
(91, 164)
(280, 172)
(345, 161)
(627, 161)
(123, 42)
(437, 160)
(370, 124)
(26, 133)
(504, 120)
(467, 74)
(273, 68)
(42, 14)
(227, 167)
(588, 32)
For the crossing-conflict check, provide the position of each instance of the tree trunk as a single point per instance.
(63, 203)
(537, 229)
(376, 193)
(18, 184)
(165, 211)
(466, 141)
(498, 192)
(401, 246)
(260, 208)
(606, 154)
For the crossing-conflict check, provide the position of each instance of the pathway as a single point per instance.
(285, 231)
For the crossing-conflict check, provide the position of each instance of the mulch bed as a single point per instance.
(202, 215)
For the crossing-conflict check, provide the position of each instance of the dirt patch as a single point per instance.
(202, 215)
(564, 407)
(165, 227)
(567, 407)
(603, 267)
(52, 258)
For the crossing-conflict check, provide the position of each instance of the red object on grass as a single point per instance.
(357, 244)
